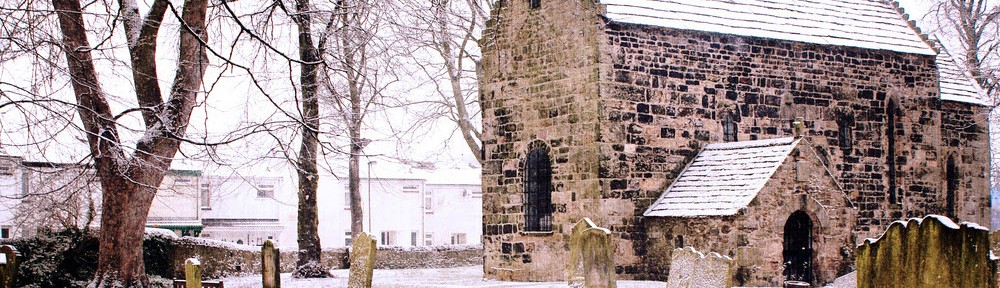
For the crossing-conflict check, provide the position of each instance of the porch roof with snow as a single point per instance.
(871, 24)
(722, 179)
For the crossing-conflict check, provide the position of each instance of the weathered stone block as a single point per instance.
(690, 268)
(362, 262)
(591, 263)
(929, 252)
(270, 266)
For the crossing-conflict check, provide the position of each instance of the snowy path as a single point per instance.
(445, 277)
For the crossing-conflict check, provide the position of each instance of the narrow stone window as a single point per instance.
(890, 136)
(535, 4)
(679, 241)
(846, 132)
(728, 129)
(952, 179)
(538, 191)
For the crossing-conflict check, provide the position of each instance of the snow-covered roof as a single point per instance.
(722, 179)
(956, 84)
(872, 24)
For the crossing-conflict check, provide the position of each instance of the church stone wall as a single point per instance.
(622, 109)
(539, 90)
(664, 93)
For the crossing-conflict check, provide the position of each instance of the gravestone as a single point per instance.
(269, 265)
(192, 273)
(690, 268)
(8, 265)
(591, 263)
(362, 262)
(928, 252)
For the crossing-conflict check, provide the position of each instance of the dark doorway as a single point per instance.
(797, 254)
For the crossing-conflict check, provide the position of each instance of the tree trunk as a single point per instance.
(128, 183)
(308, 264)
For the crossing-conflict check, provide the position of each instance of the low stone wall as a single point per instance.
(928, 252)
(221, 259)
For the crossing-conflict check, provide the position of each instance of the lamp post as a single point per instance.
(370, 163)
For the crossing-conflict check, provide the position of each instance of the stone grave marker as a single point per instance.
(591, 263)
(192, 273)
(362, 262)
(690, 268)
(928, 252)
(8, 265)
(269, 265)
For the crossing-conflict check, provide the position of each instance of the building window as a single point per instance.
(347, 200)
(348, 240)
(457, 238)
(206, 196)
(952, 186)
(389, 238)
(429, 201)
(679, 241)
(413, 238)
(728, 128)
(4, 232)
(890, 136)
(6, 168)
(538, 191)
(265, 190)
(535, 4)
(428, 239)
(411, 189)
(845, 129)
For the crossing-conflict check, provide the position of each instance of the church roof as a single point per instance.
(872, 24)
(722, 179)
(956, 85)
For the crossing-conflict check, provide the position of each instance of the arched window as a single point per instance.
(538, 191)
(890, 136)
(951, 175)
(728, 128)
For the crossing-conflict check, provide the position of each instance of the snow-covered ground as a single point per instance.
(443, 277)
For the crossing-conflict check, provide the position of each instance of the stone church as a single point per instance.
(780, 133)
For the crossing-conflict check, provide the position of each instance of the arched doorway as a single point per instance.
(797, 253)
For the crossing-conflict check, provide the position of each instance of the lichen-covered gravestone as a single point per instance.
(192, 273)
(8, 265)
(269, 266)
(928, 252)
(591, 263)
(690, 268)
(362, 262)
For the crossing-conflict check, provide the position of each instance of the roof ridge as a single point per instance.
(912, 24)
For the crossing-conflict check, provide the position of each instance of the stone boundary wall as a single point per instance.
(928, 252)
(222, 259)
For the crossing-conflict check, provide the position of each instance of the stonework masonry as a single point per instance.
(622, 108)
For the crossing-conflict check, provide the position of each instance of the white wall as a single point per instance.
(238, 210)
(398, 205)
(10, 191)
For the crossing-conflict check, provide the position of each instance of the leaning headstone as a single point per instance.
(8, 265)
(362, 262)
(928, 252)
(192, 273)
(269, 265)
(690, 268)
(591, 263)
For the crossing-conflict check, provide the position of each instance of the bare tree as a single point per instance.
(448, 31)
(129, 180)
(361, 64)
(974, 25)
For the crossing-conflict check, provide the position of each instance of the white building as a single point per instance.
(248, 209)
(419, 210)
